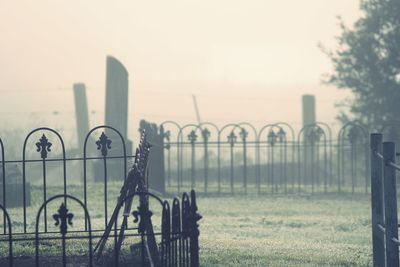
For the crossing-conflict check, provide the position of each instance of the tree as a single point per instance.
(367, 62)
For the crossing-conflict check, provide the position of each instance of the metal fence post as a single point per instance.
(390, 203)
(194, 231)
(378, 239)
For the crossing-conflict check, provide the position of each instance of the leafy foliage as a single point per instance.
(367, 62)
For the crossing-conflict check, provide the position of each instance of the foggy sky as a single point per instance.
(244, 60)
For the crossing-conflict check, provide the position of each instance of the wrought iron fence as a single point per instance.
(239, 158)
(178, 233)
(87, 179)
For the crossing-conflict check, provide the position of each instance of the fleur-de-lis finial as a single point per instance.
(281, 135)
(63, 218)
(192, 137)
(104, 144)
(272, 137)
(43, 146)
(232, 139)
(243, 134)
(315, 134)
(206, 134)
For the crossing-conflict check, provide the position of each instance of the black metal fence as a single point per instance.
(385, 238)
(178, 232)
(238, 158)
(87, 181)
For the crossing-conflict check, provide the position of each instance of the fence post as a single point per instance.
(390, 203)
(378, 239)
(194, 231)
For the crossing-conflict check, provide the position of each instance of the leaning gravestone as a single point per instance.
(116, 116)
(14, 188)
(156, 159)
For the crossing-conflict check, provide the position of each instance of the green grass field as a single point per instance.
(285, 231)
(293, 230)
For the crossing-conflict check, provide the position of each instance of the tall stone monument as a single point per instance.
(116, 115)
(81, 111)
(308, 109)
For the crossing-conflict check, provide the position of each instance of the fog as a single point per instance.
(245, 61)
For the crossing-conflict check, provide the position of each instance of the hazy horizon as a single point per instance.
(244, 61)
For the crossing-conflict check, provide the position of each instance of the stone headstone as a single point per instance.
(116, 116)
(14, 188)
(81, 112)
(155, 135)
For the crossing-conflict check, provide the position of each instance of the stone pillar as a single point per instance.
(308, 109)
(309, 118)
(81, 113)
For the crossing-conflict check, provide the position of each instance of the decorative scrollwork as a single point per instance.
(103, 144)
(63, 218)
(43, 146)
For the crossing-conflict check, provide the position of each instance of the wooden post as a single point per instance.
(390, 202)
(378, 238)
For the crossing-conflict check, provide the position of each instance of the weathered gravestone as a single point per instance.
(81, 112)
(116, 116)
(13, 188)
(155, 136)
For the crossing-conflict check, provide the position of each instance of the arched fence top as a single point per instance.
(63, 219)
(241, 124)
(314, 126)
(327, 128)
(64, 197)
(180, 133)
(205, 130)
(352, 125)
(232, 125)
(270, 126)
(280, 123)
(104, 136)
(45, 145)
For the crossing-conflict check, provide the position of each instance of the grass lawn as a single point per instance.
(293, 230)
(285, 231)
